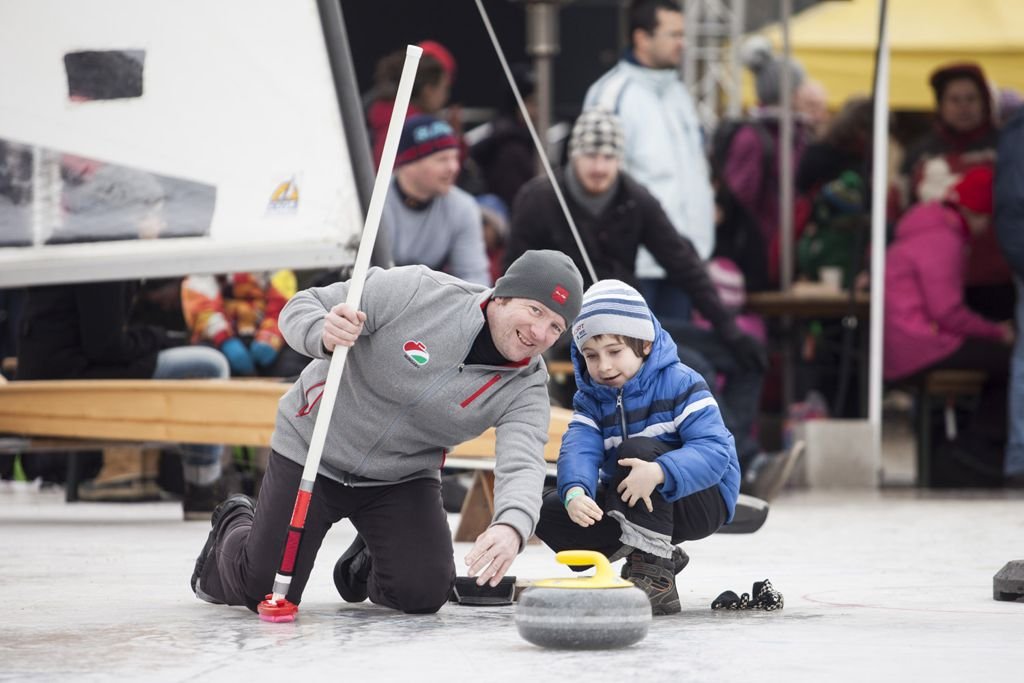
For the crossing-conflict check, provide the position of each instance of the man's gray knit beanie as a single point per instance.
(547, 276)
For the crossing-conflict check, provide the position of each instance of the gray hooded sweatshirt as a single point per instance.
(406, 397)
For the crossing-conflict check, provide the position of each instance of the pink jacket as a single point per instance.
(925, 316)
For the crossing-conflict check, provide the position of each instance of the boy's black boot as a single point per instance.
(679, 561)
(352, 571)
(655, 576)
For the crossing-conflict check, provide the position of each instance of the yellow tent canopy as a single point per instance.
(836, 41)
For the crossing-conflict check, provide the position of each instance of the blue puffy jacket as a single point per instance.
(665, 400)
(1009, 193)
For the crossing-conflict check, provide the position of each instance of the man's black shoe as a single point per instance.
(234, 506)
(352, 571)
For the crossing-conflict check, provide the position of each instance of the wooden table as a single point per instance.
(808, 303)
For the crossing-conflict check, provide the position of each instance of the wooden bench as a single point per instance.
(946, 389)
(236, 412)
(213, 412)
(561, 370)
(562, 384)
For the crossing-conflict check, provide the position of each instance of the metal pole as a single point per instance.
(735, 96)
(786, 155)
(691, 47)
(542, 45)
(879, 183)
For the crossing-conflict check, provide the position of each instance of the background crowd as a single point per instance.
(687, 215)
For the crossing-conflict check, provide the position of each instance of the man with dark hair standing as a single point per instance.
(663, 139)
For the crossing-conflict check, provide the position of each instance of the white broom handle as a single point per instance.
(355, 291)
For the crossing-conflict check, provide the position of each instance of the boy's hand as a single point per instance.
(641, 481)
(342, 325)
(584, 511)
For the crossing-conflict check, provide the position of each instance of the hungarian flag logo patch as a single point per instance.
(416, 352)
(560, 294)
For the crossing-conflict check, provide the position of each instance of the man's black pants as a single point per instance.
(404, 526)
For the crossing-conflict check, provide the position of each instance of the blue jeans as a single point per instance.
(194, 362)
(1015, 438)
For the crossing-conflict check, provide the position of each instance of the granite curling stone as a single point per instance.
(589, 613)
(1008, 583)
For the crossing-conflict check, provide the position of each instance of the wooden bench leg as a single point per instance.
(73, 478)
(477, 508)
(966, 399)
(924, 441)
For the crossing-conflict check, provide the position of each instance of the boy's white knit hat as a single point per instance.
(613, 307)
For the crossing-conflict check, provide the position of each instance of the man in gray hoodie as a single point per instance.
(435, 361)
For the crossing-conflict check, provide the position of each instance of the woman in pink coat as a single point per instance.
(927, 325)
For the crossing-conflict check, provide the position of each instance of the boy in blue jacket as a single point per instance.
(646, 462)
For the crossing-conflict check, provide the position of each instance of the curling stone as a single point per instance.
(588, 613)
(1008, 583)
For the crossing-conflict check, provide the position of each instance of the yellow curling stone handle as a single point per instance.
(604, 576)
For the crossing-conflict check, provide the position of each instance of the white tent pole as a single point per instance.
(786, 155)
(879, 186)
